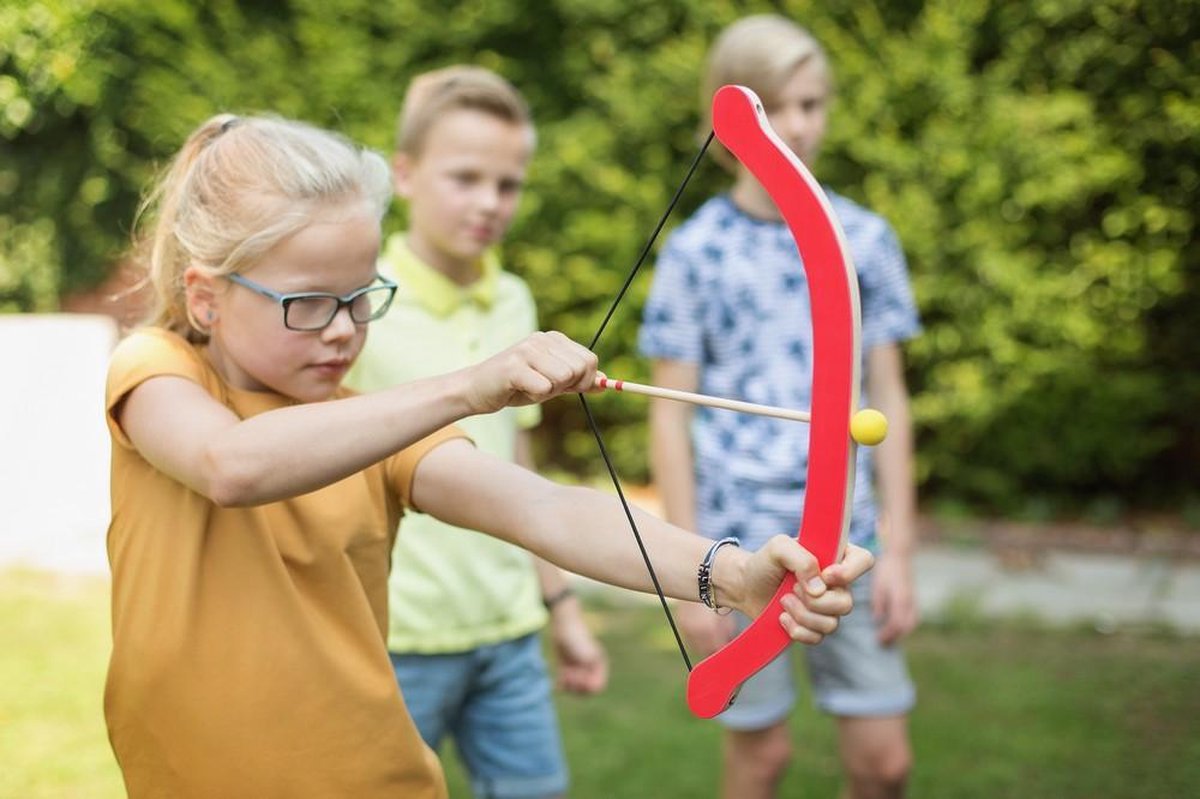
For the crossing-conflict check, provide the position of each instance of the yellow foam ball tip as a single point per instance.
(868, 427)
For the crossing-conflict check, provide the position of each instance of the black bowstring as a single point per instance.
(587, 410)
(650, 241)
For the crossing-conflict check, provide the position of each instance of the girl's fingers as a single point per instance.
(808, 619)
(545, 365)
(807, 616)
(802, 625)
(565, 364)
(799, 561)
(834, 602)
(798, 632)
(854, 564)
(533, 385)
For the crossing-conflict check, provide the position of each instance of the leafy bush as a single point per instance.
(1039, 161)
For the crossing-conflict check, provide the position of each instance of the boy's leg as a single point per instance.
(867, 687)
(876, 756)
(758, 745)
(434, 688)
(508, 732)
(754, 761)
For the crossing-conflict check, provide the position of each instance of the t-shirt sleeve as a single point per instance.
(889, 313)
(139, 357)
(402, 466)
(672, 321)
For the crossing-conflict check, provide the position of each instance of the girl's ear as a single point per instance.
(201, 297)
(402, 167)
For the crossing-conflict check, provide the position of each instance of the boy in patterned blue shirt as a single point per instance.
(728, 315)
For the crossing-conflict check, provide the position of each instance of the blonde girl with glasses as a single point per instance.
(255, 501)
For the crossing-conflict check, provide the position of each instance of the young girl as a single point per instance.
(254, 501)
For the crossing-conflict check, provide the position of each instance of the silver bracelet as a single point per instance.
(704, 575)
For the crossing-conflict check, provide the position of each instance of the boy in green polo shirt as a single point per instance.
(465, 608)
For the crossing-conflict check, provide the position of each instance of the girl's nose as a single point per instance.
(341, 326)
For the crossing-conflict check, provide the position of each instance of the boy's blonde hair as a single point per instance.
(238, 187)
(759, 52)
(433, 94)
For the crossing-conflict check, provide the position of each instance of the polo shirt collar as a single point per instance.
(437, 293)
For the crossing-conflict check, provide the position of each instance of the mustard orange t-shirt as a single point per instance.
(248, 643)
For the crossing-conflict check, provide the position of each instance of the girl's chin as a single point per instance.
(316, 396)
(315, 391)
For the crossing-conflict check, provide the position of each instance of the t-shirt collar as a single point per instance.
(438, 293)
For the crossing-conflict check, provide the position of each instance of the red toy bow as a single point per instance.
(740, 123)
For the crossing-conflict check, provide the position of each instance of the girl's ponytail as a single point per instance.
(165, 260)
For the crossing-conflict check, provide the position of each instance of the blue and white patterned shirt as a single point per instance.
(730, 295)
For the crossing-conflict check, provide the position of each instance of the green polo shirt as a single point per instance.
(452, 589)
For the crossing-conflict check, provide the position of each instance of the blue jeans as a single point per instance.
(496, 703)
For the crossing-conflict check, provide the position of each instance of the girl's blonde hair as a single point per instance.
(238, 187)
(433, 94)
(760, 52)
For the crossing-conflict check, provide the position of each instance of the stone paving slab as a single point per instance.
(1108, 591)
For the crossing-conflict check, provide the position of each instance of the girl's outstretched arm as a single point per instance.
(186, 433)
(585, 531)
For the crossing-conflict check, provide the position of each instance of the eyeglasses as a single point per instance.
(314, 310)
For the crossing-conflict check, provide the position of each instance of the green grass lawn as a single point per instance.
(1008, 711)
(55, 651)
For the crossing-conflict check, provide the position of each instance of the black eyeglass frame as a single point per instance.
(285, 300)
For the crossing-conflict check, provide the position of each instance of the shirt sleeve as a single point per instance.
(402, 467)
(142, 355)
(889, 313)
(673, 318)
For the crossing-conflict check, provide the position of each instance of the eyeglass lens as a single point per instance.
(314, 313)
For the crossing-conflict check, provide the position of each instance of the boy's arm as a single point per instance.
(582, 662)
(670, 442)
(893, 602)
(673, 466)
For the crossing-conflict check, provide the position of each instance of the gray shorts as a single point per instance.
(851, 674)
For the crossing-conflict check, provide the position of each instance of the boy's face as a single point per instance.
(798, 112)
(463, 188)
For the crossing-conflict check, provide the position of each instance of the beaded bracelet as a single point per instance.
(704, 575)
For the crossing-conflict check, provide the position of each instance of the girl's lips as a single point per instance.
(334, 368)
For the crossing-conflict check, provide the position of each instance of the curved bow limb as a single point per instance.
(740, 123)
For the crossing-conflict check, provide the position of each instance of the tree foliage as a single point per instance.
(1039, 161)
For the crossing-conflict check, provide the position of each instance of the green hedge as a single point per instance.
(1039, 161)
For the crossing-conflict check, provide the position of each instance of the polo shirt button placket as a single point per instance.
(473, 336)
